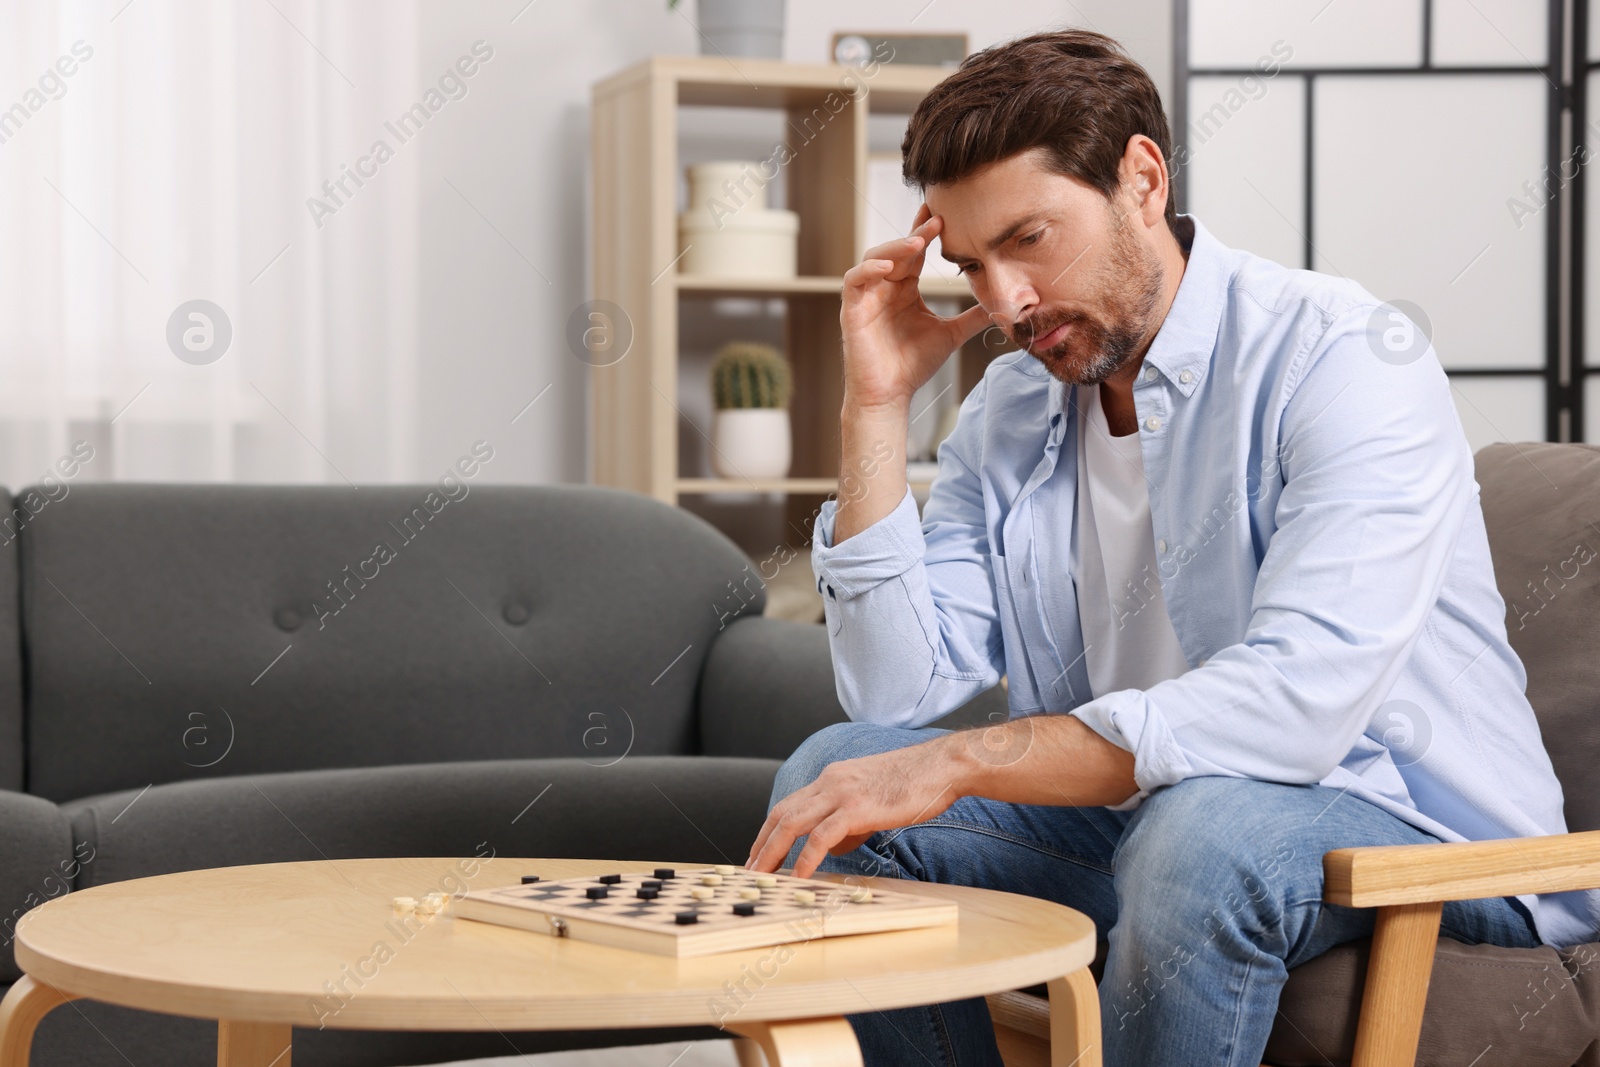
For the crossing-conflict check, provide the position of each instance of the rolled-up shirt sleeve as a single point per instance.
(910, 604)
(1377, 485)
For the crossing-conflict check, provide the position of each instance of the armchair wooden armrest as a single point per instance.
(1409, 884)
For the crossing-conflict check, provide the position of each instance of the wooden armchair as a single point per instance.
(1409, 884)
(1541, 507)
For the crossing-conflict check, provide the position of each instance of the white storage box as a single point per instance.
(728, 229)
(751, 243)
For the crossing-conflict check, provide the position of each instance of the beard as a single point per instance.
(1093, 349)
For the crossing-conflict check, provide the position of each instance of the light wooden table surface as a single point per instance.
(266, 947)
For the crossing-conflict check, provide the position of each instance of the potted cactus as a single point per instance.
(750, 386)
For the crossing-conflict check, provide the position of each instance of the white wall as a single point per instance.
(492, 305)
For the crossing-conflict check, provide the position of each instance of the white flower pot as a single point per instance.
(741, 28)
(750, 442)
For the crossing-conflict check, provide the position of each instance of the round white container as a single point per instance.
(750, 442)
(753, 243)
(708, 182)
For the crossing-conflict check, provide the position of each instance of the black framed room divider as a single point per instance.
(1434, 150)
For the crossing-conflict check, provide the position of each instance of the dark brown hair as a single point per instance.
(1075, 93)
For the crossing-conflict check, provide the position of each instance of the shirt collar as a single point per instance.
(1189, 332)
(1182, 347)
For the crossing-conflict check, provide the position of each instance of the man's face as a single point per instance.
(1060, 268)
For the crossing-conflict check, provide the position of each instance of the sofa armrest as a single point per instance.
(37, 863)
(767, 685)
(1380, 875)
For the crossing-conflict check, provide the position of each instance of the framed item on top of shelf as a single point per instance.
(855, 48)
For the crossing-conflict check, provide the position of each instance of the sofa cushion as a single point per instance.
(185, 632)
(1541, 506)
(678, 809)
(691, 810)
(87, 1033)
(685, 809)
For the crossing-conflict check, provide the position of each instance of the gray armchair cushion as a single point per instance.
(511, 624)
(700, 810)
(1487, 1005)
(37, 863)
(1541, 505)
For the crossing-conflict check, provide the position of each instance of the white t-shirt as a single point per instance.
(1128, 638)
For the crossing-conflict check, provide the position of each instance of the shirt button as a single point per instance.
(1149, 374)
(830, 591)
(1152, 423)
(1161, 546)
(1185, 377)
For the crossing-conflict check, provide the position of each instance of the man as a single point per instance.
(1216, 523)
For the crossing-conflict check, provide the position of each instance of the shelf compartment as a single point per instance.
(635, 165)
(720, 81)
(823, 486)
(702, 284)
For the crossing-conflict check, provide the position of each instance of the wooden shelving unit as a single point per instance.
(635, 414)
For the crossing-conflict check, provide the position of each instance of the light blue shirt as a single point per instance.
(1321, 552)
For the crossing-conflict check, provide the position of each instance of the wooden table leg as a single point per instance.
(242, 1044)
(27, 1002)
(804, 1042)
(1074, 1021)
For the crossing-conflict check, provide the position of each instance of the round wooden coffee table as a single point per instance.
(267, 947)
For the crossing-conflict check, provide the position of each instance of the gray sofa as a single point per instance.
(202, 676)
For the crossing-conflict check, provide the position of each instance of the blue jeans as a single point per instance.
(1207, 894)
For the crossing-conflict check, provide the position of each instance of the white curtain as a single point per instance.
(156, 152)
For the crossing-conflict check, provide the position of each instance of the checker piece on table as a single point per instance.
(696, 912)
